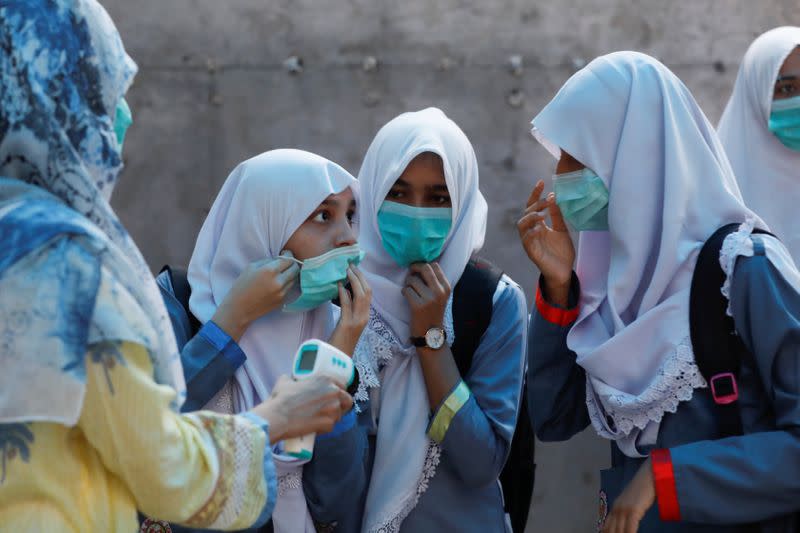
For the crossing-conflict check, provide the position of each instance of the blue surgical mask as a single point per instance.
(122, 121)
(784, 121)
(413, 234)
(320, 276)
(582, 198)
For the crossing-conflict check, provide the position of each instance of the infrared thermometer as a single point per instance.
(314, 358)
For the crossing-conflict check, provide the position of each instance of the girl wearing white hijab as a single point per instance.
(643, 177)
(437, 439)
(278, 205)
(760, 130)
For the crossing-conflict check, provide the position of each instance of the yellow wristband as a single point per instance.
(446, 412)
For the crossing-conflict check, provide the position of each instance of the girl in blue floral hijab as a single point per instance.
(91, 380)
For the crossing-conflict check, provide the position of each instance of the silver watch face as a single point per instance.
(434, 338)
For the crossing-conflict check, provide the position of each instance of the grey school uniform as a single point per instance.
(464, 495)
(746, 483)
(211, 357)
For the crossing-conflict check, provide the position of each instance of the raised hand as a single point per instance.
(550, 248)
(259, 289)
(426, 291)
(355, 311)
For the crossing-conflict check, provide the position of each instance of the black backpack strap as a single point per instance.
(182, 291)
(718, 350)
(473, 299)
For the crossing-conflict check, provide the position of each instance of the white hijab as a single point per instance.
(767, 171)
(263, 201)
(633, 122)
(405, 458)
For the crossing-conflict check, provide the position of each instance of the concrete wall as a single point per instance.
(212, 90)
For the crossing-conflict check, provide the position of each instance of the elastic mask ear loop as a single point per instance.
(286, 254)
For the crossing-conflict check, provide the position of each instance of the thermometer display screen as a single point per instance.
(308, 359)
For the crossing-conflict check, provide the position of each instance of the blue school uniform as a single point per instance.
(464, 494)
(211, 357)
(736, 484)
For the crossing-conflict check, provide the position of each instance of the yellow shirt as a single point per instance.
(130, 451)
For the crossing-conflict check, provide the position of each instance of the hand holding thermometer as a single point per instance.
(315, 357)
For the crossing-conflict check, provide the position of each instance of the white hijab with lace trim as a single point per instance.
(405, 458)
(633, 122)
(767, 171)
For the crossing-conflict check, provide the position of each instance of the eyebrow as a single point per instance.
(787, 77)
(438, 188)
(327, 202)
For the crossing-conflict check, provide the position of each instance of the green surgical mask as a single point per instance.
(784, 121)
(122, 121)
(582, 198)
(320, 276)
(413, 234)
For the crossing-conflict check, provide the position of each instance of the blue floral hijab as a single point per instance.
(72, 281)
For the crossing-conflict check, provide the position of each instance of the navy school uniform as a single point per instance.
(748, 483)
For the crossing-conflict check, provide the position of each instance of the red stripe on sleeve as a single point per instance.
(555, 315)
(666, 491)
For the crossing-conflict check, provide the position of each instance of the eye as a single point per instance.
(351, 216)
(785, 89)
(322, 216)
(395, 194)
(441, 199)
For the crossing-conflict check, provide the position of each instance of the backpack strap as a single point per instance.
(718, 349)
(473, 300)
(182, 290)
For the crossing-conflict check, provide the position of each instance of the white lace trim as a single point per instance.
(392, 523)
(736, 244)
(291, 481)
(222, 401)
(674, 383)
(377, 346)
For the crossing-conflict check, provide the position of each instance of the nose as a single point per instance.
(346, 235)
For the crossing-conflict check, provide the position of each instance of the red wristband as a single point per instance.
(666, 491)
(555, 315)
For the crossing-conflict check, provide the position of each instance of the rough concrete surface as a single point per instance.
(213, 90)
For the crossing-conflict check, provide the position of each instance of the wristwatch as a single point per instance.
(434, 339)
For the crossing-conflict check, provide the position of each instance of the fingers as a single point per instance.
(555, 215)
(428, 276)
(535, 193)
(345, 401)
(443, 281)
(327, 416)
(419, 286)
(355, 283)
(289, 276)
(411, 296)
(541, 205)
(345, 303)
(528, 222)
